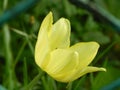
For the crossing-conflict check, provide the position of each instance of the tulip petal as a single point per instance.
(86, 70)
(42, 47)
(62, 61)
(59, 36)
(65, 77)
(75, 74)
(87, 51)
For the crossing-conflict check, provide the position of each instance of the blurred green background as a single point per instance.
(18, 37)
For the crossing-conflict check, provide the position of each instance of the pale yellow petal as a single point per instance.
(65, 77)
(75, 74)
(46, 24)
(62, 62)
(42, 47)
(59, 36)
(86, 70)
(87, 51)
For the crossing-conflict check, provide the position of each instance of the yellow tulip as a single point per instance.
(55, 56)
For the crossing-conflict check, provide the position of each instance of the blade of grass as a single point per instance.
(45, 84)
(27, 38)
(104, 52)
(80, 82)
(9, 58)
(30, 45)
(19, 54)
(33, 82)
(91, 80)
(25, 74)
(52, 84)
(19, 32)
(69, 86)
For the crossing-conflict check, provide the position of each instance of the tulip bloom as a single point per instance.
(55, 56)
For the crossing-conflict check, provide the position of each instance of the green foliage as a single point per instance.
(103, 79)
(18, 37)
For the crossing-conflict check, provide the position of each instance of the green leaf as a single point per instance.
(105, 78)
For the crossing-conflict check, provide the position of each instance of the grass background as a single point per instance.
(18, 70)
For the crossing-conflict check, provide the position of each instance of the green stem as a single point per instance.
(33, 82)
(19, 54)
(69, 86)
(25, 74)
(30, 45)
(8, 57)
(105, 51)
(9, 80)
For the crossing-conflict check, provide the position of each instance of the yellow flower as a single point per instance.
(54, 55)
